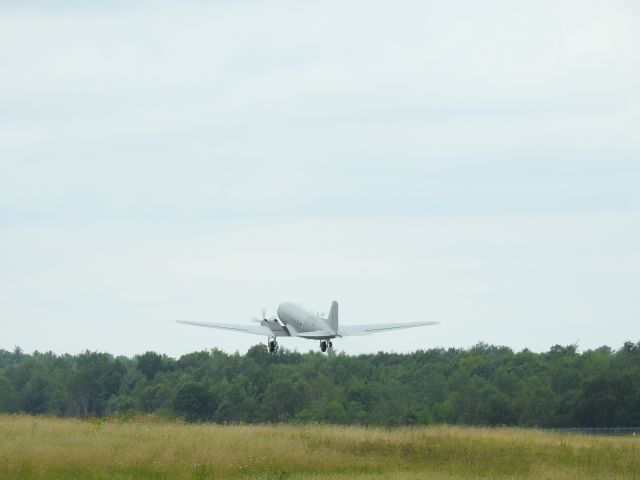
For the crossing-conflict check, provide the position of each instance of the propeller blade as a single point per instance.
(264, 317)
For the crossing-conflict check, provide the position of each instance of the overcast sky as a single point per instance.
(475, 163)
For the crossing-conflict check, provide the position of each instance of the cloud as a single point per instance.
(531, 281)
(474, 163)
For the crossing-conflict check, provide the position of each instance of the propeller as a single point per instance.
(264, 318)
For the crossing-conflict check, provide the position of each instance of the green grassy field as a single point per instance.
(41, 447)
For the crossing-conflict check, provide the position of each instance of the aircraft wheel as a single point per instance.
(272, 346)
(330, 344)
(323, 346)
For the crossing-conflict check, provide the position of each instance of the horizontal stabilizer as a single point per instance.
(318, 334)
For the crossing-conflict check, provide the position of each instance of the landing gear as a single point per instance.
(324, 344)
(272, 345)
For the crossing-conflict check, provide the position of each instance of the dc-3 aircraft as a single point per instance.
(293, 321)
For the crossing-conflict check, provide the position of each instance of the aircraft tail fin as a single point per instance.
(333, 316)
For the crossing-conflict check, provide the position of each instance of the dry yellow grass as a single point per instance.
(40, 447)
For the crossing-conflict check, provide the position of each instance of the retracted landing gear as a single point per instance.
(272, 344)
(324, 345)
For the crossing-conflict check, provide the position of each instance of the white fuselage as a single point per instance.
(299, 321)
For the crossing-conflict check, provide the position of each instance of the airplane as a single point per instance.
(294, 321)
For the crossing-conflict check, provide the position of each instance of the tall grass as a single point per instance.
(41, 447)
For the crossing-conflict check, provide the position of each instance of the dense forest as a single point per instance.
(482, 385)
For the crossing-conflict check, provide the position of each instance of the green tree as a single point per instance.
(604, 398)
(195, 402)
(35, 395)
(96, 377)
(281, 400)
(149, 364)
(9, 399)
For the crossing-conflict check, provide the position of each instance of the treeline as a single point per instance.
(482, 385)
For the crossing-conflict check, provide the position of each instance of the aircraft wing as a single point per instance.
(255, 329)
(350, 330)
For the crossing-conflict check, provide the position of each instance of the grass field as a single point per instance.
(41, 447)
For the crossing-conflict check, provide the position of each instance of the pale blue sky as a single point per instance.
(476, 164)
